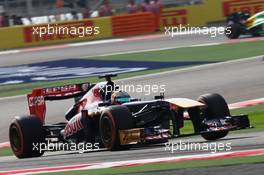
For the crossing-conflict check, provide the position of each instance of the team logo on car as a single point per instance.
(73, 127)
(36, 101)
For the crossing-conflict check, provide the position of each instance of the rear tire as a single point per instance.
(234, 31)
(112, 120)
(23, 133)
(216, 107)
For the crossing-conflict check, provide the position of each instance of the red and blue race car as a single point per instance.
(109, 118)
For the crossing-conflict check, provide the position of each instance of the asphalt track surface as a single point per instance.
(131, 44)
(236, 81)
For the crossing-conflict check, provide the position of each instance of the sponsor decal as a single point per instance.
(77, 68)
(251, 6)
(174, 17)
(60, 89)
(82, 105)
(73, 126)
(36, 101)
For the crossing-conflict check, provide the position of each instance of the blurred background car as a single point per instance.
(241, 23)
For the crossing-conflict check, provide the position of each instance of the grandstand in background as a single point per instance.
(31, 8)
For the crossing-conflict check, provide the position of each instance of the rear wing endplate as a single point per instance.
(36, 99)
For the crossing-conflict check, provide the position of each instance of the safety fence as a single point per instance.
(123, 25)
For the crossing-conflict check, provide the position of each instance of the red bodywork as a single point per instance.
(36, 100)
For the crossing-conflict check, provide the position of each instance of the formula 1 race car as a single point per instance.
(242, 23)
(110, 117)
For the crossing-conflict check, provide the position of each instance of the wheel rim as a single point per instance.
(106, 130)
(15, 140)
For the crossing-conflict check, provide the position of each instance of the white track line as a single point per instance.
(150, 50)
(9, 52)
(138, 162)
(194, 67)
(95, 42)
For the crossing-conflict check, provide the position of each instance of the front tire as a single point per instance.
(214, 135)
(255, 32)
(112, 120)
(216, 107)
(24, 133)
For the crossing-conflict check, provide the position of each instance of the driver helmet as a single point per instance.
(120, 97)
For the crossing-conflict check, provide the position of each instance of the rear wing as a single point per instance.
(36, 100)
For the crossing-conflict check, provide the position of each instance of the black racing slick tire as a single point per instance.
(216, 107)
(255, 31)
(113, 119)
(233, 31)
(214, 135)
(25, 135)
